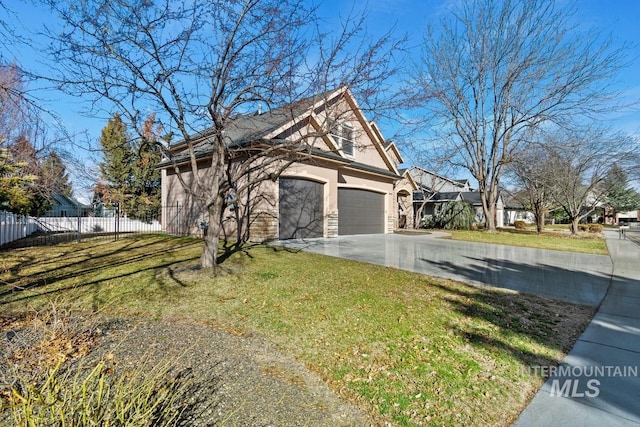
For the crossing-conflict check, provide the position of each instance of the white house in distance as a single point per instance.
(630, 216)
(63, 206)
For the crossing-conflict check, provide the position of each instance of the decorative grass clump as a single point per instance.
(98, 396)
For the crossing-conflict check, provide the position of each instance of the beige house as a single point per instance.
(348, 181)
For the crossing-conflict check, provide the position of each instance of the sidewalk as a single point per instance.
(600, 385)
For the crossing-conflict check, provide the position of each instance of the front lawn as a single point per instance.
(410, 349)
(555, 239)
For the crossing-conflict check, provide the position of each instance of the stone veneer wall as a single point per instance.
(391, 223)
(264, 226)
(332, 224)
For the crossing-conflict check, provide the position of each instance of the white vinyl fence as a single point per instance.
(98, 225)
(14, 227)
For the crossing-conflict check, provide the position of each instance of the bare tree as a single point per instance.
(578, 164)
(200, 64)
(532, 174)
(15, 112)
(631, 162)
(24, 144)
(496, 70)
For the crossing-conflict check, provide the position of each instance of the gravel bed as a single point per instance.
(238, 380)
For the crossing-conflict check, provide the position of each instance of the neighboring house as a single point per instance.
(64, 206)
(404, 193)
(434, 189)
(515, 211)
(349, 183)
(431, 182)
(431, 190)
(630, 216)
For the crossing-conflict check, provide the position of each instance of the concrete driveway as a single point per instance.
(571, 277)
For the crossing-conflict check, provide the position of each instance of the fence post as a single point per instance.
(117, 223)
(79, 229)
(178, 231)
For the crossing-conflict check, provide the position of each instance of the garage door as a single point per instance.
(300, 209)
(360, 212)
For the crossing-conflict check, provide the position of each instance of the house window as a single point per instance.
(343, 135)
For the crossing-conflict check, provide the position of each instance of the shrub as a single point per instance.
(454, 216)
(519, 224)
(583, 227)
(427, 221)
(595, 228)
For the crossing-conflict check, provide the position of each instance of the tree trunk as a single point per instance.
(489, 211)
(574, 225)
(417, 220)
(491, 219)
(540, 221)
(209, 257)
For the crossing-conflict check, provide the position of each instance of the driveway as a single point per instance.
(566, 276)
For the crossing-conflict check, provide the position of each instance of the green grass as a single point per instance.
(411, 349)
(558, 240)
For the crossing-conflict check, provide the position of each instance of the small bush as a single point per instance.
(520, 225)
(454, 216)
(583, 227)
(595, 228)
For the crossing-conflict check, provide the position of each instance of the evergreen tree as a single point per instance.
(28, 169)
(128, 172)
(620, 197)
(116, 168)
(14, 185)
(454, 216)
(54, 173)
(145, 183)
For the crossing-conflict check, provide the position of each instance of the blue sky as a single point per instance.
(618, 17)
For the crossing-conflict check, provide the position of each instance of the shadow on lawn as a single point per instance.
(95, 254)
(88, 261)
(552, 324)
(549, 281)
(550, 295)
(528, 317)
